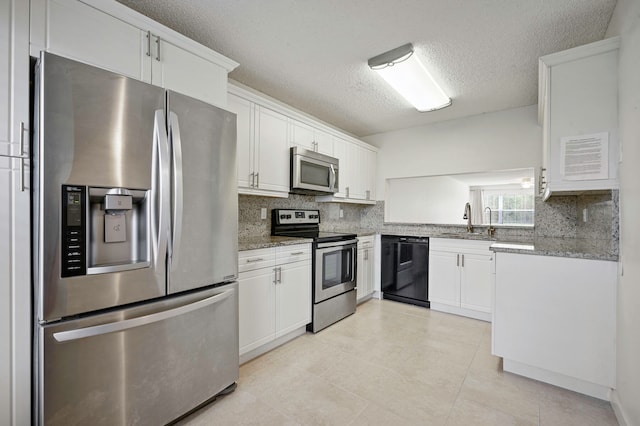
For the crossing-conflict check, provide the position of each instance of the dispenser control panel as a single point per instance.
(73, 235)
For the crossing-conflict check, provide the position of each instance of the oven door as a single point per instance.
(335, 269)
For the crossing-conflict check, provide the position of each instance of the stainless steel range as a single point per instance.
(334, 264)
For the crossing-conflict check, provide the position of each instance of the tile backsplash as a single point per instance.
(592, 216)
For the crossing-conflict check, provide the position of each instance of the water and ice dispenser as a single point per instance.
(104, 230)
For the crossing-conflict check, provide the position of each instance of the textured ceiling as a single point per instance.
(312, 54)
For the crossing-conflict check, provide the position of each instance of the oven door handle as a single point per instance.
(336, 244)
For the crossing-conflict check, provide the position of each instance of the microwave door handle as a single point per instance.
(160, 205)
(176, 144)
(332, 178)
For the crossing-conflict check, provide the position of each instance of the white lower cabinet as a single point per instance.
(555, 320)
(366, 267)
(460, 277)
(274, 295)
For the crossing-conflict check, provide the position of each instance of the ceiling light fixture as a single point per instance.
(409, 77)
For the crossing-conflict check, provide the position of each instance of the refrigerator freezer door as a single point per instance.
(148, 364)
(204, 235)
(96, 133)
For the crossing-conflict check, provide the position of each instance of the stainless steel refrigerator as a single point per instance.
(135, 251)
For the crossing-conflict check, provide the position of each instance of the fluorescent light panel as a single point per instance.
(403, 71)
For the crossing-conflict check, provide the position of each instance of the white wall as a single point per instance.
(433, 199)
(494, 141)
(626, 399)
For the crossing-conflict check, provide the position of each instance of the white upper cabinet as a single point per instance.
(263, 148)
(271, 151)
(266, 130)
(578, 108)
(244, 111)
(311, 138)
(109, 35)
(177, 69)
(14, 78)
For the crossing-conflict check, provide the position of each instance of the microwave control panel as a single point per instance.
(73, 236)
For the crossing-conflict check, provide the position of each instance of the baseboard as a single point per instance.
(483, 316)
(272, 345)
(557, 379)
(618, 410)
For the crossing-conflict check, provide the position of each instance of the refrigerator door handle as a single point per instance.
(160, 191)
(176, 144)
(97, 330)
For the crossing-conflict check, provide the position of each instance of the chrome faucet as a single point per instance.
(467, 215)
(491, 229)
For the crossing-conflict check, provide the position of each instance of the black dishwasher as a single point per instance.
(405, 269)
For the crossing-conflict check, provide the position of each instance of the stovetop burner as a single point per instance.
(303, 224)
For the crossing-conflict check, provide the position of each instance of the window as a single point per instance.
(508, 206)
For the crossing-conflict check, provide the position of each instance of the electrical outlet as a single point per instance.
(263, 213)
(341, 213)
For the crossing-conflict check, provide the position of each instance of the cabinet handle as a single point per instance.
(368, 194)
(457, 259)
(463, 260)
(148, 43)
(366, 255)
(254, 260)
(251, 178)
(296, 253)
(22, 156)
(280, 275)
(257, 180)
(275, 275)
(158, 51)
(347, 191)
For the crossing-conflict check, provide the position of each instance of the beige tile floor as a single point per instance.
(395, 364)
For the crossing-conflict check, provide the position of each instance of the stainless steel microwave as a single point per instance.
(313, 173)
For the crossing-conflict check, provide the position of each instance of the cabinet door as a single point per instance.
(476, 282)
(356, 166)
(272, 155)
(256, 308)
(444, 278)
(15, 293)
(361, 281)
(324, 142)
(293, 297)
(244, 112)
(370, 175)
(340, 152)
(187, 73)
(14, 76)
(78, 31)
(302, 135)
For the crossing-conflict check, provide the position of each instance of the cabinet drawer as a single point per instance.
(365, 242)
(250, 260)
(295, 253)
(460, 246)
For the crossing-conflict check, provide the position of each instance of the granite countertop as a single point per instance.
(561, 247)
(596, 249)
(267, 241)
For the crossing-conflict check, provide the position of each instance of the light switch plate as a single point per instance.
(263, 213)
